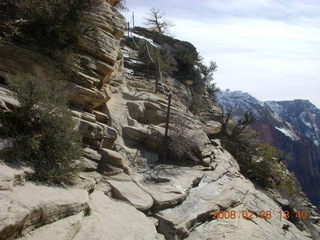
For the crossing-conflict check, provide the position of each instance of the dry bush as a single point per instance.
(181, 143)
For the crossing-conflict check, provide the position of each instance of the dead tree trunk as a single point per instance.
(158, 79)
(165, 141)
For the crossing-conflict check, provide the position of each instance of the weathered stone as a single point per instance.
(108, 19)
(221, 189)
(33, 205)
(100, 44)
(212, 127)
(16, 60)
(109, 136)
(85, 97)
(101, 117)
(104, 187)
(64, 229)
(155, 137)
(168, 185)
(84, 115)
(155, 113)
(136, 110)
(87, 164)
(216, 142)
(151, 138)
(129, 191)
(97, 177)
(135, 134)
(89, 129)
(112, 157)
(92, 154)
(86, 180)
(109, 169)
(145, 97)
(115, 221)
(201, 201)
(11, 176)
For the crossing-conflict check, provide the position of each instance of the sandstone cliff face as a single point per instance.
(124, 193)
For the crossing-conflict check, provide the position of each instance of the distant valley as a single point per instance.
(292, 126)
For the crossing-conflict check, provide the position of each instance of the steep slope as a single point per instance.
(292, 126)
(125, 191)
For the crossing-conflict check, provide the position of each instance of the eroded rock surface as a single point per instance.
(115, 220)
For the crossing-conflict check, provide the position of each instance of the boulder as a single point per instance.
(168, 185)
(147, 112)
(92, 154)
(151, 137)
(114, 220)
(136, 110)
(127, 190)
(89, 129)
(109, 170)
(111, 157)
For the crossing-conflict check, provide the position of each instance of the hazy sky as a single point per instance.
(269, 48)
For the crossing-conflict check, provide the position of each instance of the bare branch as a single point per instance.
(157, 22)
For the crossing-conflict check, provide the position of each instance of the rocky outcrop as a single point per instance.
(27, 206)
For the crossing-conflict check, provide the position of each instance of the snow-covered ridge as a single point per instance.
(291, 118)
(146, 39)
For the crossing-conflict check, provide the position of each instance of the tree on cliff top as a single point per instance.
(156, 21)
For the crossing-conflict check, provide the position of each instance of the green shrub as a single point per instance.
(187, 59)
(42, 129)
(49, 26)
(150, 56)
(258, 161)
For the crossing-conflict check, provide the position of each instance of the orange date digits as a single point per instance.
(266, 214)
(302, 214)
(224, 214)
(247, 214)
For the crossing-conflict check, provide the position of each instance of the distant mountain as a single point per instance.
(291, 126)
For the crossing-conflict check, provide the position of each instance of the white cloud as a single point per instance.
(268, 48)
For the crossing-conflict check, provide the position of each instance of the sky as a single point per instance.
(269, 48)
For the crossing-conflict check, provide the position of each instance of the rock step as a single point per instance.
(32, 205)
